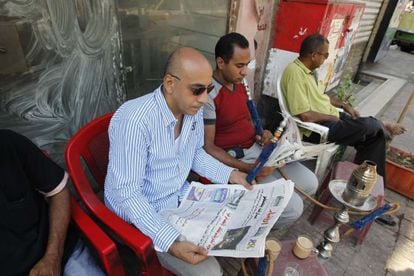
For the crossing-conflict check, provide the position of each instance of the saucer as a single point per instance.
(338, 186)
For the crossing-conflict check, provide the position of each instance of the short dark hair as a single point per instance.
(312, 44)
(225, 45)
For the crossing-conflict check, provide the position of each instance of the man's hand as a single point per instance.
(48, 265)
(265, 138)
(353, 112)
(188, 252)
(266, 171)
(237, 177)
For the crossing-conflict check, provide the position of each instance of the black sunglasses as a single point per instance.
(197, 90)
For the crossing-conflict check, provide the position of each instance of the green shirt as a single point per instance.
(303, 92)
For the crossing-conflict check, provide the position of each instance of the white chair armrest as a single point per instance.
(320, 129)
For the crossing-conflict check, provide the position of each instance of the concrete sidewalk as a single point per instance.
(386, 250)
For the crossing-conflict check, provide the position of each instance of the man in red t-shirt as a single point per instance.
(228, 130)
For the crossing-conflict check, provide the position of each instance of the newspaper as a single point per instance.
(229, 220)
(290, 147)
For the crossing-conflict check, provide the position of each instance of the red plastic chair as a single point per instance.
(104, 246)
(90, 147)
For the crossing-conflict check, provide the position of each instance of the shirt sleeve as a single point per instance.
(295, 93)
(209, 110)
(206, 165)
(125, 179)
(43, 173)
(58, 188)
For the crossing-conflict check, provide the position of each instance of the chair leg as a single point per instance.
(362, 233)
(324, 198)
(324, 184)
(321, 195)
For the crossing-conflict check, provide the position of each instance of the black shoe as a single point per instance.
(386, 219)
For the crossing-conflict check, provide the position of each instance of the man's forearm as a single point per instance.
(316, 117)
(225, 158)
(59, 217)
(335, 101)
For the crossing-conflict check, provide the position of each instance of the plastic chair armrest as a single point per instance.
(104, 246)
(320, 129)
(131, 236)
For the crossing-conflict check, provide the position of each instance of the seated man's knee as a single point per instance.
(177, 266)
(297, 204)
(313, 185)
(292, 212)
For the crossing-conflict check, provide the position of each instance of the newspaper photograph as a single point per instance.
(229, 220)
(290, 147)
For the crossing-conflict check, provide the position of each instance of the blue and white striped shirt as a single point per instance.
(146, 173)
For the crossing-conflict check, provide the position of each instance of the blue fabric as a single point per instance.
(81, 262)
(147, 171)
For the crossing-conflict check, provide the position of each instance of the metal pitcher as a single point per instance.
(361, 183)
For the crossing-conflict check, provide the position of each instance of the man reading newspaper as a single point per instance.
(154, 142)
(228, 220)
(229, 133)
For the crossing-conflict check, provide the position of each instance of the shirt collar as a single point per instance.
(219, 85)
(167, 116)
(302, 66)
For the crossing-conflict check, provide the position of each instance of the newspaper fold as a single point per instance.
(229, 220)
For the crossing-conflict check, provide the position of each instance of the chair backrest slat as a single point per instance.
(92, 146)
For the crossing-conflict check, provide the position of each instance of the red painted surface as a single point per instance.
(290, 18)
(400, 178)
(314, 17)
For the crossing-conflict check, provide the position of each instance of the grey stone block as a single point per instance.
(409, 214)
(405, 248)
(407, 229)
(399, 265)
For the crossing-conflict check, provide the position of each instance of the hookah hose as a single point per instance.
(253, 110)
(266, 152)
(387, 209)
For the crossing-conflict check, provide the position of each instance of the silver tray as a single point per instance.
(337, 187)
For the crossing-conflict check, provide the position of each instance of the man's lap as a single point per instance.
(81, 262)
(209, 267)
(297, 172)
(351, 131)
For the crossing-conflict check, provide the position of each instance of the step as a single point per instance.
(365, 91)
(373, 104)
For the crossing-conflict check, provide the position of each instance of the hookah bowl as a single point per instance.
(361, 183)
(353, 194)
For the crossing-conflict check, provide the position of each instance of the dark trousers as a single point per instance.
(366, 134)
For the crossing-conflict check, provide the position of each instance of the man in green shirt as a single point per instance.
(305, 98)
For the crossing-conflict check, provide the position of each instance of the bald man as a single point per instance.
(154, 142)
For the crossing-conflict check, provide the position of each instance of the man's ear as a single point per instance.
(220, 63)
(168, 83)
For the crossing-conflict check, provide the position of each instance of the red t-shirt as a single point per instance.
(229, 111)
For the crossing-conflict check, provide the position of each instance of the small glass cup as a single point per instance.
(292, 269)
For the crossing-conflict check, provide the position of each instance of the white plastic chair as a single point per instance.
(324, 158)
(317, 128)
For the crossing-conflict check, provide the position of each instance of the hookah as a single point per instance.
(253, 110)
(352, 194)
